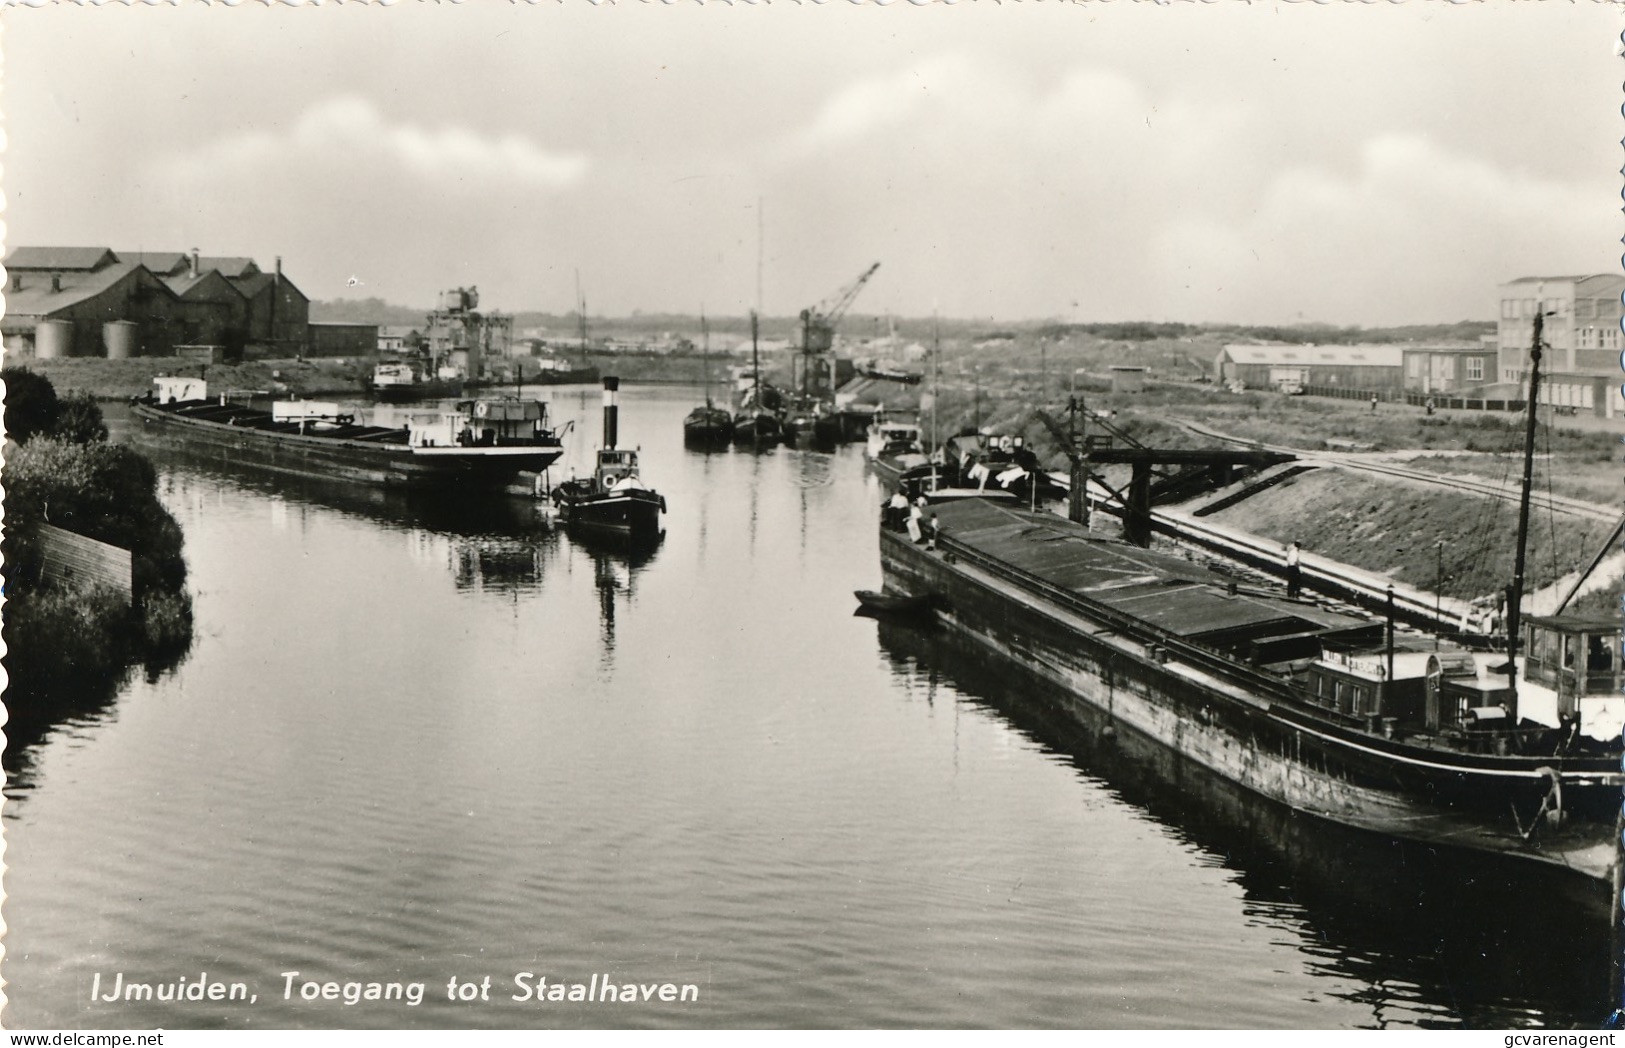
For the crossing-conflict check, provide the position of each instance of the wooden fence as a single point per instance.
(71, 555)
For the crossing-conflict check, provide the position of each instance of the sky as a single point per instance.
(1258, 163)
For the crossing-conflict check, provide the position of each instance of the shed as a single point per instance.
(1127, 378)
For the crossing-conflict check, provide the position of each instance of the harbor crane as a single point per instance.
(818, 322)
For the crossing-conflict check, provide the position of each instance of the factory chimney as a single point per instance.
(56, 282)
(611, 411)
(195, 263)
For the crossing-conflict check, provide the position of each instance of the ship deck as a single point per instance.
(1164, 594)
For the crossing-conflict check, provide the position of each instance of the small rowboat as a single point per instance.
(891, 603)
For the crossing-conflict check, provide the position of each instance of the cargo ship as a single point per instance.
(1310, 708)
(489, 443)
(410, 381)
(1514, 753)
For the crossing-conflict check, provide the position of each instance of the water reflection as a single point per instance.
(1427, 938)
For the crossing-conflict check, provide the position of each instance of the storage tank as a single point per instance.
(120, 338)
(53, 339)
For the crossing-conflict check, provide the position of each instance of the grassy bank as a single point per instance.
(123, 379)
(1415, 534)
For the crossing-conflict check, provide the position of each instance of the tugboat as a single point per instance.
(614, 502)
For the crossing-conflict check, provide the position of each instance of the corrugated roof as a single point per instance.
(1388, 356)
(1166, 592)
(36, 299)
(62, 259)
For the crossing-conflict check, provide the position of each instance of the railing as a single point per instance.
(1569, 681)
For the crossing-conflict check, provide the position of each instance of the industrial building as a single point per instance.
(1377, 368)
(85, 302)
(343, 340)
(1581, 370)
(1463, 369)
(94, 301)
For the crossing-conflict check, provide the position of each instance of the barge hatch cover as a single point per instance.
(1167, 593)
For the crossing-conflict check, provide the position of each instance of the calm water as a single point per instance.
(416, 742)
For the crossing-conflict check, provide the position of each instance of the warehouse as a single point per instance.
(84, 302)
(1375, 368)
(278, 312)
(343, 340)
(216, 313)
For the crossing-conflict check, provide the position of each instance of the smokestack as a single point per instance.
(195, 263)
(16, 281)
(611, 410)
(56, 281)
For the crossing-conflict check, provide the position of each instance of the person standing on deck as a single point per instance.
(1294, 572)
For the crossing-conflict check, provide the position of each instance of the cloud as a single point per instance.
(1093, 193)
(348, 132)
(1411, 229)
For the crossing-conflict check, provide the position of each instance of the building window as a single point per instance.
(1509, 309)
(1586, 338)
(1475, 369)
(1610, 338)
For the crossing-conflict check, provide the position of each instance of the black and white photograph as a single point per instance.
(873, 516)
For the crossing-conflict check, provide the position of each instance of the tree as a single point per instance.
(32, 406)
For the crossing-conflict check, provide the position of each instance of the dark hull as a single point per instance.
(632, 517)
(338, 458)
(1239, 723)
(570, 377)
(435, 389)
(757, 430)
(708, 430)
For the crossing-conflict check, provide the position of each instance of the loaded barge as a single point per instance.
(486, 444)
(1319, 711)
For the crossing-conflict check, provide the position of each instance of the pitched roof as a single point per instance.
(160, 262)
(232, 266)
(1391, 356)
(251, 286)
(36, 299)
(206, 282)
(61, 258)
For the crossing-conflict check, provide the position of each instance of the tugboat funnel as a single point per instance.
(611, 410)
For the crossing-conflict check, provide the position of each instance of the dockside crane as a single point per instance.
(818, 322)
(815, 373)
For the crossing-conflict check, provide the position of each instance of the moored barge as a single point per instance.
(491, 443)
(1306, 707)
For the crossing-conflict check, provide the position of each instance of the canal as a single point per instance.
(417, 742)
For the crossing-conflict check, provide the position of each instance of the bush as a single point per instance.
(31, 404)
(80, 420)
(105, 491)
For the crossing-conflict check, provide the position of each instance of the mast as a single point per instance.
(936, 355)
(581, 317)
(755, 366)
(705, 353)
(1515, 601)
